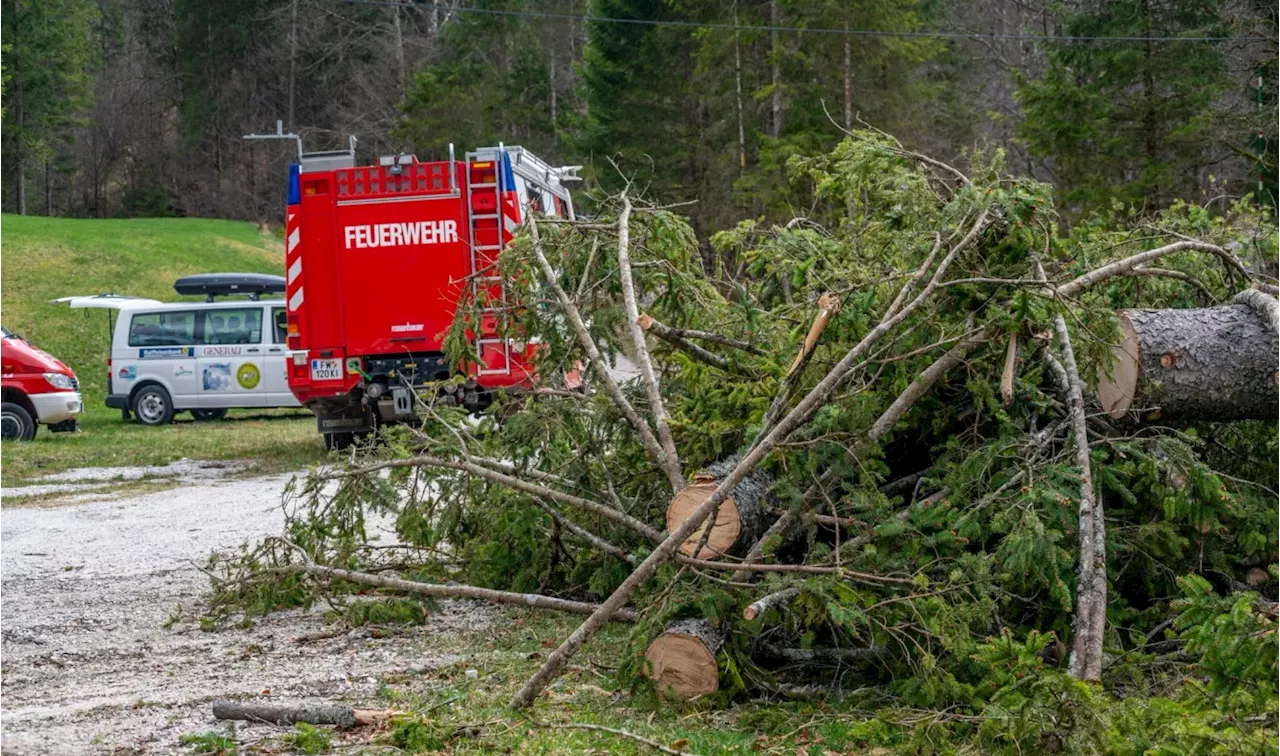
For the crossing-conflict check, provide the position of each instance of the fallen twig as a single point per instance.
(614, 731)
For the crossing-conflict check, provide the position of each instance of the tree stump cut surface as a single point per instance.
(724, 532)
(739, 521)
(682, 661)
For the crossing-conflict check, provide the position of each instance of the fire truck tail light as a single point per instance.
(299, 358)
(483, 172)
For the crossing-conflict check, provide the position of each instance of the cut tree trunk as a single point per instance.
(1216, 363)
(682, 661)
(739, 521)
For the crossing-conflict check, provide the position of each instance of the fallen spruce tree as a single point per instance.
(878, 447)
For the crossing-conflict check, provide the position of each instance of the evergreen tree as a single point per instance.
(1129, 120)
(493, 82)
(639, 105)
(48, 57)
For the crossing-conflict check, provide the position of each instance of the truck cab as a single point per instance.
(376, 260)
(37, 388)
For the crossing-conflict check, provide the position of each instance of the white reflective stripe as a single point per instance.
(295, 270)
(295, 301)
(294, 238)
(509, 225)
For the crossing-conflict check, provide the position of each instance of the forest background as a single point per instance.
(126, 108)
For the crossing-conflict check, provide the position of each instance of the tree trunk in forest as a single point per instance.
(739, 521)
(21, 118)
(402, 71)
(775, 55)
(848, 78)
(1216, 363)
(737, 83)
(293, 61)
(551, 87)
(682, 661)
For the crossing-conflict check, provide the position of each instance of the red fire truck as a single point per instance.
(376, 258)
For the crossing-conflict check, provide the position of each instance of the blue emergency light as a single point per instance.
(295, 194)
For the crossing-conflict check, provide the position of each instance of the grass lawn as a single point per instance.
(275, 440)
(46, 258)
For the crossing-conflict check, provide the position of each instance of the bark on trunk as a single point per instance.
(739, 521)
(817, 655)
(1091, 578)
(1216, 363)
(682, 661)
(340, 715)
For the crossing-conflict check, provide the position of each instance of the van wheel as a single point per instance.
(338, 441)
(16, 423)
(208, 415)
(152, 406)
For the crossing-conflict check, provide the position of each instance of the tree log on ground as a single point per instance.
(739, 521)
(340, 715)
(682, 660)
(1216, 363)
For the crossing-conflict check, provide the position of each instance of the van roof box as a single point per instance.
(227, 284)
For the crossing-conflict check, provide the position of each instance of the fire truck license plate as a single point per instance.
(326, 370)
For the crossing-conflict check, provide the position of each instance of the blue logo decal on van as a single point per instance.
(166, 353)
(128, 372)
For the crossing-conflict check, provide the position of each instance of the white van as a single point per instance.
(203, 357)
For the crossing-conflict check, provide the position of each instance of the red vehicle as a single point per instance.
(376, 258)
(36, 387)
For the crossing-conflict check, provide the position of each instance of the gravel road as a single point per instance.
(88, 666)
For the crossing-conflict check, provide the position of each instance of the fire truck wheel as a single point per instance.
(208, 415)
(152, 406)
(338, 441)
(16, 423)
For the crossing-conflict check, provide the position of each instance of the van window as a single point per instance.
(281, 321)
(163, 329)
(227, 326)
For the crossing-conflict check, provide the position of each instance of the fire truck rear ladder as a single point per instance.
(489, 281)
